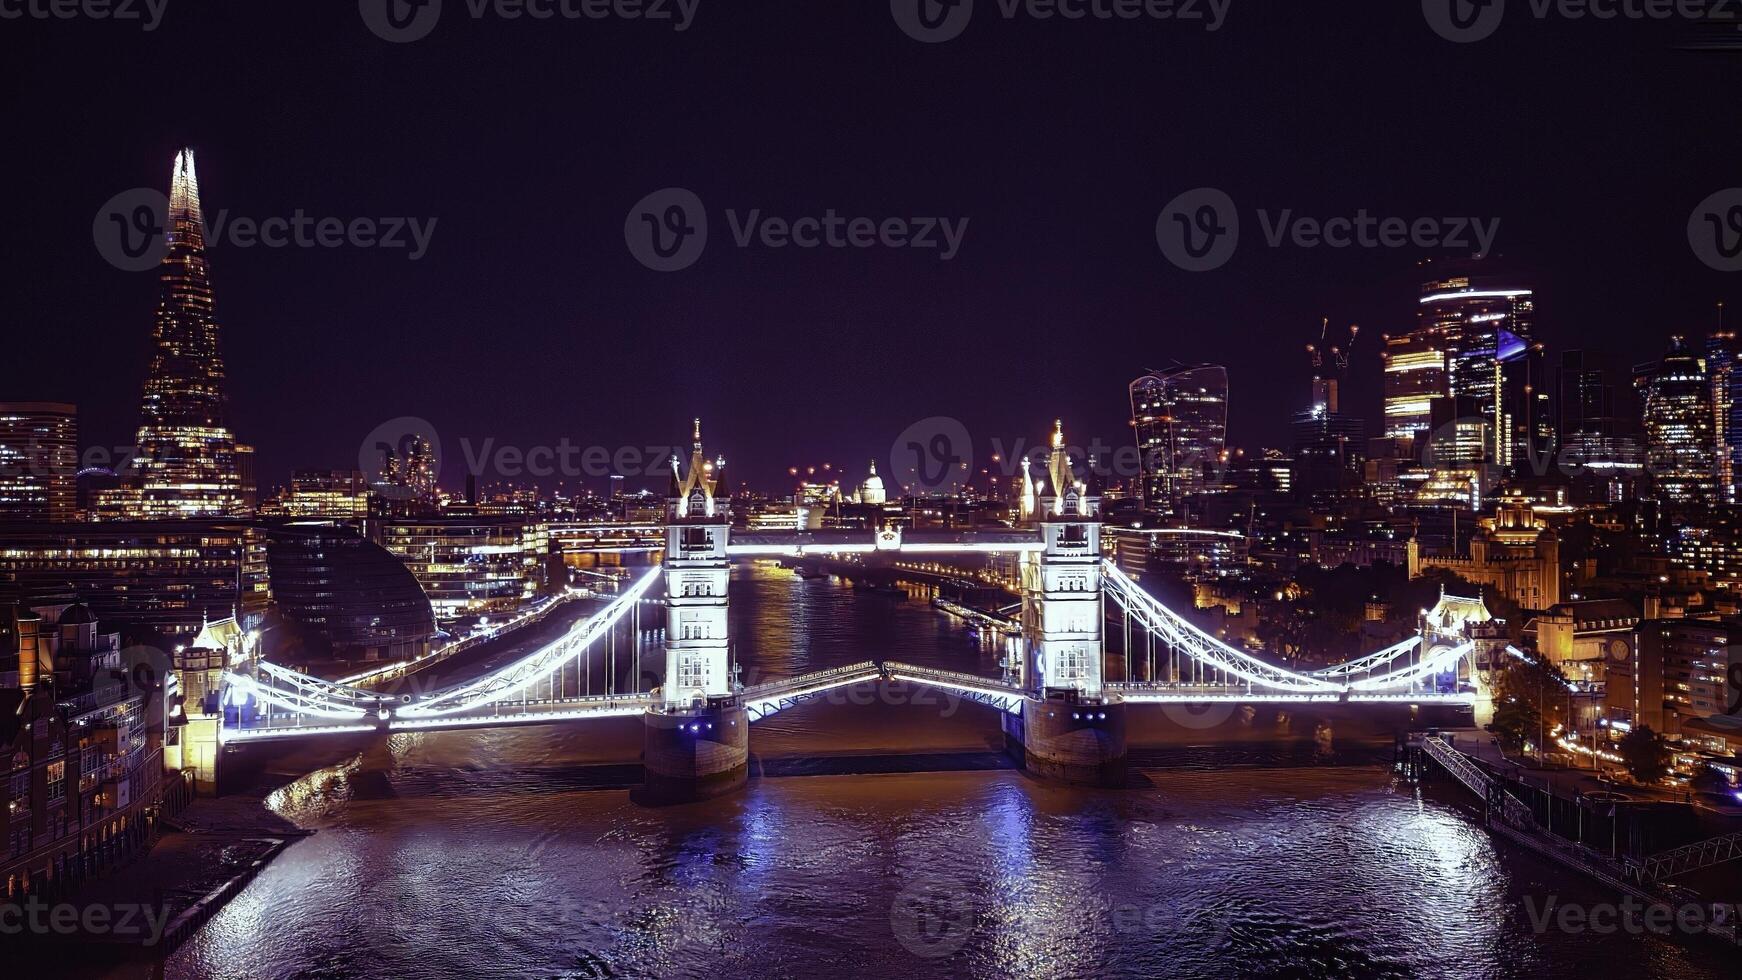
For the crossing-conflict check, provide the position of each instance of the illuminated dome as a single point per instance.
(871, 491)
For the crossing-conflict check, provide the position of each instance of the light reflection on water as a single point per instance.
(488, 855)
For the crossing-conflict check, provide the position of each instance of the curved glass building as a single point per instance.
(350, 591)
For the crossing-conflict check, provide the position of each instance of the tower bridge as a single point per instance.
(1061, 718)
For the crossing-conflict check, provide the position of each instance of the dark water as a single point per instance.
(1254, 848)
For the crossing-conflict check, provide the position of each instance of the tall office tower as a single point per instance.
(1180, 417)
(1527, 410)
(1597, 425)
(1724, 365)
(39, 461)
(1589, 400)
(188, 462)
(1415, 374)
(1677, 397)
(1483, 325)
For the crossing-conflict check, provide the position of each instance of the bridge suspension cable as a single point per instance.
(1194, 642)
(536, 666)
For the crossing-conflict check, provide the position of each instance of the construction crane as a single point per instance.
(1339, 355)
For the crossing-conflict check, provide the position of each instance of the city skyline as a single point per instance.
(1474, 317)
(1062, 237)
(909, 488)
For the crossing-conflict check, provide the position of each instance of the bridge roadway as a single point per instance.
(274, 702)
(764, 700)
(760, 701)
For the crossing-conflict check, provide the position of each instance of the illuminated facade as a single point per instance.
(84, 769)
(327, 493)
(1515, 552)
(1180, 417)
(1062, 606)
(470, 566)
(697, 573)
(165, 575)
(1484, 333)
(1679, 426)
(187, 463)
(1678, 673)
(39, 459)
(1724, 365)
(1415, 374)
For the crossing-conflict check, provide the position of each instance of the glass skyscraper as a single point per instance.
(1180, 417)
(1679, 427)
(39, 461)
(1485, 330)
(188, 462)
(1724, 366)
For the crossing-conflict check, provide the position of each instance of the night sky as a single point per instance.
(529, 141)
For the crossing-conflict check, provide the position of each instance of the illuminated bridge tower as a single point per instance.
(1069, 729)
(697, 740)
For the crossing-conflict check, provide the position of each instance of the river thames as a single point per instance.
(884, 834)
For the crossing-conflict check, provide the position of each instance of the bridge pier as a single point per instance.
(1069, 740)
(695, 753)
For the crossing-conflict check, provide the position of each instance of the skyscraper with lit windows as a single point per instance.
(1724, 366)
(1677, 397)
(188, 461)
(1180, 417)
(1483, 327)
(39, 459)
